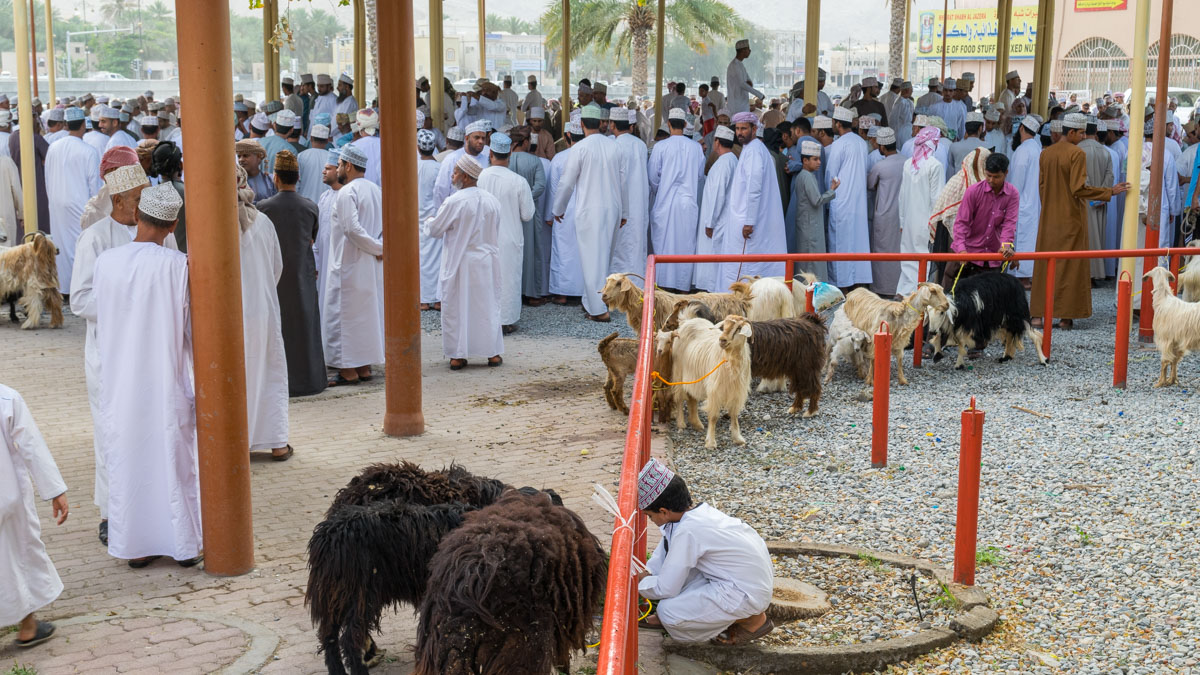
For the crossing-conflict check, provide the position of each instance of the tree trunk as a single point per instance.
(897, 40)
(373, 47)
(641, 48)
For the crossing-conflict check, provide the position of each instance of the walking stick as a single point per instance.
(740, 263)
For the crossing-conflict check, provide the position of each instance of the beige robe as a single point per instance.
(1099, 174)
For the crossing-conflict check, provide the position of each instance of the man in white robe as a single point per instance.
(922, 180)
(900, 118)
(326, 209)
(312, 164)
(325, 101)
(629, 245)
(738, 80)
(676, 173)
(533, 99)
(1024, 172)
(143, 325)
(516, 206)
(98, 137)
(346, 103)
(352, 309)
(73, 176)
(566, 274)
(484, 104)
(848, 228)
(511, 99)
(430, 247)
(711, 574)
(952, 110)
(474, 146)
(125, 185)
(468, 222)
(596, 170)
(715, 210)
(756, 208)
(368, 125)
(262, 331)
(28, 580)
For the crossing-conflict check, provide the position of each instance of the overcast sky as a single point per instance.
(866, 20)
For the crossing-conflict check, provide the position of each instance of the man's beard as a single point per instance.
(342, 97)
(458, 185)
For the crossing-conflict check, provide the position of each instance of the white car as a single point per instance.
(1187, 98)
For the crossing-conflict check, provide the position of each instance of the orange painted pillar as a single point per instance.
(401, 271)
(214, 264)
(1155, 206)
(1121, 353)
(881, 398)
(966, 527)
(1048, 310)
(919, 333)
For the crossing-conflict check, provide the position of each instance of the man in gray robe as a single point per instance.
(1099, 174)
(296, 221)
(809, 204)
(535, 284)
(884, 181)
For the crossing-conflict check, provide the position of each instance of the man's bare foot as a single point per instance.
(348, 374)
(437, 306)
(28, 628)
(424, 306)
(364, 373)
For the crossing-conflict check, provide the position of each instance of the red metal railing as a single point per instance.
(618, 634)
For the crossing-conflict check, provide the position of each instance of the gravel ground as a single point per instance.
(1091, 513)
(871, 601)
(550, 320)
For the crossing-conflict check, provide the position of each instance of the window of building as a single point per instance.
(1096, 65)
(1185, 62)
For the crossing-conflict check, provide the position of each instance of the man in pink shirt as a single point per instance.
(986, 220)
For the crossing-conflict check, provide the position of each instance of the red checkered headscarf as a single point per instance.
(117, 157)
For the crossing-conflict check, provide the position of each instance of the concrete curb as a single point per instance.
(976, 621)
(263, 642)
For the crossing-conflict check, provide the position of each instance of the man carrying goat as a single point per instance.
(711, 574)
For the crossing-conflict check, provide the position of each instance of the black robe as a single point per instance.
(295, 219)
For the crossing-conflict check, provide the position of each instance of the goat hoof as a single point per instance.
(960, 367)
(739, 441)
(793, 410)
(1004, 359)
(811, 413)
(938, 357)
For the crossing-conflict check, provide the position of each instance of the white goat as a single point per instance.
(847, 343)
(867, 310)
(698, 347)
(1176, 326)
(771, 299)
(1189, 278)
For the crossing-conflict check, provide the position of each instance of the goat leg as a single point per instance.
(694, 413)
(735, 429)
(899, 355)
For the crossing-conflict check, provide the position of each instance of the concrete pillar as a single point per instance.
(482, 39)
(1154, 203)
(360, 53)
(50, 65)
(205, 72)
(565, 114)
(659, 41)
(437, 68)
(812, 50)
(1003, 36)
(33, 46)
(24, 115)
(1137, 122)
(401, 271)
(270, 56)
(1044, 58)
(907, 32)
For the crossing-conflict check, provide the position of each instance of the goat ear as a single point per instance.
(746, 330)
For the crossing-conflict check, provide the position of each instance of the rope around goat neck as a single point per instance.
(654, 374)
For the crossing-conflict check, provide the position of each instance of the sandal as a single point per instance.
(461, 363)
(103, 531)
(190, 562)
(338, 381)
(285, 456)
(496, 363)
(739, 636)
(645, 623)
(508, 330)
(599, 318)
(45, 631)
(559, 300)
(139, 563)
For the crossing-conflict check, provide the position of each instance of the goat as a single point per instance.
(664, 363)
(620, 358)
(985, 306)
(29, 277)
(513, 591)
(1176, 326)
(867, 311)
(700, 347)
(771, 299)
(847, 343)
(620, 293)
(791, 349)
(688, 309)
(1189, 278)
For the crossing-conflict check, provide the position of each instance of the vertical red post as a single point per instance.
(1174, 267)
(1048, 314)
(1124, 310)
(1146, 313)
(788, 273)
(880, 400)
(919, 334)
(808, 301)
(966, 526)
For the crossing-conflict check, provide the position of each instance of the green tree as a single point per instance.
(510, 24)
(314, 32)
(626, 28)
(118, 12)
(118, 53)
(246, 42)
(158, 32)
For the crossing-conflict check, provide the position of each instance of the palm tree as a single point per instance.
(897, 40)
(510, 24)
(624, 28)
(115, 10)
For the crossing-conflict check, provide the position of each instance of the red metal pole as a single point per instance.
(1174, 272)
(788, 274)
(1146, 309)
(919, 333)
(1154, 205)
(808, 300)
(880, 400)
(1048, 315)
(1124, 308)
(966, 528)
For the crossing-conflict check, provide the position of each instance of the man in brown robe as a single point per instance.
(1063, 224)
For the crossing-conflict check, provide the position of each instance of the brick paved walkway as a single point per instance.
(524, 423)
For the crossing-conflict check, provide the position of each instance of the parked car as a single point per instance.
(1187, 100)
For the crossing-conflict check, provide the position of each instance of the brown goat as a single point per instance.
(793, 349)
(620, 358)
(689, 309)
(28, 274)
(620, 293)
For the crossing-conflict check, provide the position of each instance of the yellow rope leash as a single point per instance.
(956, 276)
(648, 610)
(658, 377)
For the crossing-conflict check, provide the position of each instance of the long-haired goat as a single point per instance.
(847, 343)
(373, 548)
(794, 350)
(1176, 326)
(620, 359)
(699, 348)
(29, 275)
(620, 293)
(511, 592)
(1189, 278)
(689, 309)
(986, 306)
(771, 299)
(867, 311)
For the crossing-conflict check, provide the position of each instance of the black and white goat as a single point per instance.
(984, 307)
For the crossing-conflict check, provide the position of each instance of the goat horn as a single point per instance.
(631, 274)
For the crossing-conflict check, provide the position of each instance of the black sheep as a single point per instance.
(511, 592)
(791, 349)
(987, 306)
(411, 483)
